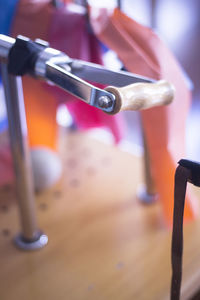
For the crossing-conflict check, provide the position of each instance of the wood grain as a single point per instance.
(140, 96)
(103, 244)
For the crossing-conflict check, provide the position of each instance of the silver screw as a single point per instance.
(105, 102)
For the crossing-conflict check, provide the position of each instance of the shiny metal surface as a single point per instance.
(77, 87)
(6, 43)
(20, 153)
(49, 55)
(68, 74)
(96, 73)
(104, 102)
(30, 245)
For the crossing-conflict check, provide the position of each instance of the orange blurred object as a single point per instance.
(143, 52)
(41, 108)
(33, 19)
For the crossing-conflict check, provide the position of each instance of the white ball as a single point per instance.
(46, 167)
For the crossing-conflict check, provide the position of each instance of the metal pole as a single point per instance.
(153, 14)
(147, 194)
(31, 238)
(119, 4)
(150, 188)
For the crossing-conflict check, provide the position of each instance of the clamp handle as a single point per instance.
(140, 96)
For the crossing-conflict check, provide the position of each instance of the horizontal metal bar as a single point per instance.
(6, 43)
(96, 73)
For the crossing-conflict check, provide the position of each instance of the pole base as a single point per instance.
(30, 245)
(145, 197)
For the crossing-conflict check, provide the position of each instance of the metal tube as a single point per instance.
(20, 153)
(31, 238)
(6, 42)
(150, 187)
(119, 4)
(147, 194)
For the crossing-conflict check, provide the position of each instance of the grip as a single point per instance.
(140, 96)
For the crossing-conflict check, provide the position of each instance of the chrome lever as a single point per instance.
(85, 91)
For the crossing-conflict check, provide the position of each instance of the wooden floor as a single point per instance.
(103, 244)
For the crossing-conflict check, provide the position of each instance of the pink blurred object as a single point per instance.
(70, 33)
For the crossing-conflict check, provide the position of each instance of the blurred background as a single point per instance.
(123, 226)
(178, 24)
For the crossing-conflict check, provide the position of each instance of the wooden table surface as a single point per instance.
(103, 243)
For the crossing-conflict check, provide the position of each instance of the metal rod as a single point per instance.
(147, 194)
(119, 4)
(150, 187)
(153, 13)
(20, 153)
(56, 3)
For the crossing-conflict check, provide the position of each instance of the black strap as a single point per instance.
(187, 171)
(22, 56)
